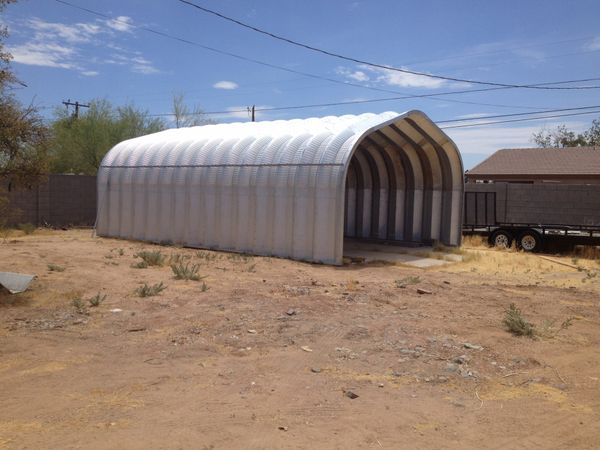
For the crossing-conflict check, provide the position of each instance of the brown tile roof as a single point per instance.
(541, 161)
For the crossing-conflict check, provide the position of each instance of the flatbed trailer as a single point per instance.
(533, 215)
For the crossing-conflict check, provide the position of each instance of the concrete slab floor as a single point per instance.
(411, 256)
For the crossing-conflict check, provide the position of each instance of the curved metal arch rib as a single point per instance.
(420, 195)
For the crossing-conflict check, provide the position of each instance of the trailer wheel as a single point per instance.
(501, 239)
(529, 241)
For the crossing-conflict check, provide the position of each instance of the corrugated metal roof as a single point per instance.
(541, 161)
(271, 187)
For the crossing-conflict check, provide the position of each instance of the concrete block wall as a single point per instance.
(60, 200)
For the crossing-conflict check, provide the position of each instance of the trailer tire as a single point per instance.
(529, 241)
(501, 239)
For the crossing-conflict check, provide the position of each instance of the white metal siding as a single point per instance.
(272, 188)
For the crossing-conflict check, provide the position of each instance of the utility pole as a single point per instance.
(77, 105)
(251, 112)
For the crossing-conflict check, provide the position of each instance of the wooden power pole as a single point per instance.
(77, 105)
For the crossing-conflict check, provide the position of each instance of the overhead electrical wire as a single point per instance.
(376, 65)
(526, 119)
(310, 75)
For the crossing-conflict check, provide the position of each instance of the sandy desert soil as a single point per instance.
(269, 353)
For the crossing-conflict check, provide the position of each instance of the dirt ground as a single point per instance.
(267, 353)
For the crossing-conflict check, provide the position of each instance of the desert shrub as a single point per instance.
(404, 282)
(207, 256)
(150, 291)
(239, 257)
(55, 268)
(79, 305)
(140, 265)
(26, 228)
(151, 258)
(96, 300)
(186, 272)
(516, 324)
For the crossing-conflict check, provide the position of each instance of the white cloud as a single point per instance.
(390, 77)
(472, 116)
(242, 114)
(488, 139)
(78, 46)
(227, 85)
(143, 66)
(356, 75)
(403, 79)
(121, 23)
(76, 33)
(43, 54)
(594, 44)
(238, 112)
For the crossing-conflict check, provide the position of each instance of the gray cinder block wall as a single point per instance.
(60, 200)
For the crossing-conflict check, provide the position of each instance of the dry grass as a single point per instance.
(586, 252)
(475, 240)
(55, 268)
(522, 268)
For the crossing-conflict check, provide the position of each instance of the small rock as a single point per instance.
(472, 346)
(135, 329)
(282, 428)
(252, 331)
(462, 359)
(442, 379)
(306, 349)
(351, 395)
(423, 291)
(291, 312)
(116, 310)
(446, 282)
(450, 367)
(380, 385)
(315, 370)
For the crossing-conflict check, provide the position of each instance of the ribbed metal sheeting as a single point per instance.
(286, 188)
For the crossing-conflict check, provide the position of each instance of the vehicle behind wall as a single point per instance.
(532, 216)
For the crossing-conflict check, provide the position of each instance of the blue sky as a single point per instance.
(64, 53)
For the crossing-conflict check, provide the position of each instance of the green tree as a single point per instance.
(563, 137)
(23, 135)
(79, 144)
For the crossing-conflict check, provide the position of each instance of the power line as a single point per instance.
(579, 108)
(319, 77)
(519, 120)
(376, 65)
(358, 102)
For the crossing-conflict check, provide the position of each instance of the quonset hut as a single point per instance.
(293, 188)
